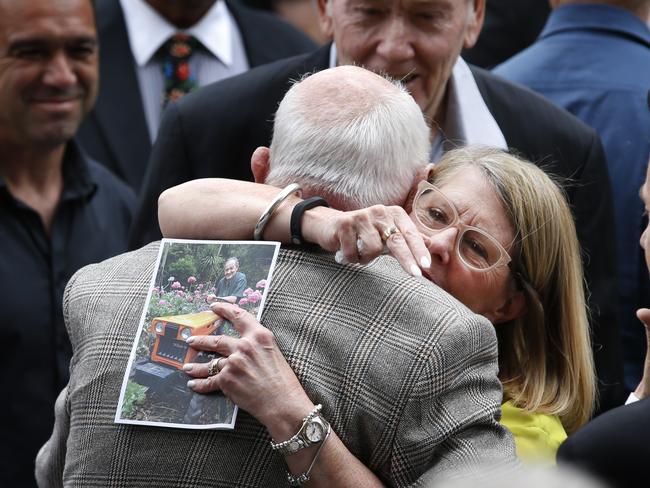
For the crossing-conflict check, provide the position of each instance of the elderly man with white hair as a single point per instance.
(432, 412)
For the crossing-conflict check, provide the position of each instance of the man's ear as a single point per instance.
(260, 164)
(324, 8)
(514, 307)
(474, 22)
(422, 175)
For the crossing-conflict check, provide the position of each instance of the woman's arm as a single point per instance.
(256, 377)
(217, 208)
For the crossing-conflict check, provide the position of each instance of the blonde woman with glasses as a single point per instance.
(493, 231)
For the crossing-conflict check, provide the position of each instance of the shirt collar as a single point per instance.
(468, 120)
(596, 17)
(77, 180)
(148, 30)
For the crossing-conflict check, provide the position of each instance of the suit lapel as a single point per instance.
(258, 50)
(118, 111)
(254, 30)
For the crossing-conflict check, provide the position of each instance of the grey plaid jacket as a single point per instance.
(406, 374)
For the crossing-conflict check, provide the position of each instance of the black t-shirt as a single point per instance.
(91, 224)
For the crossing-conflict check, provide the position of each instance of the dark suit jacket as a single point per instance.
(614, 446)
(239, 114)
(115, 133)
(406, 375)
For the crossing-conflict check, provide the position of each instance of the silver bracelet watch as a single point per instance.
(313, 431)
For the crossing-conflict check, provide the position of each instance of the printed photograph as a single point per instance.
(189, 276)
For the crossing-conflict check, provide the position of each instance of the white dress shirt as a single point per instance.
(223, 56)
(468, 119)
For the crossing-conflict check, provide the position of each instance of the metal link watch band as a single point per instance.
(298, 441)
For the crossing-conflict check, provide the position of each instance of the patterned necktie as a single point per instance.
(176, 68)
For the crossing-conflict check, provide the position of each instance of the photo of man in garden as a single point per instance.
(231, 287)
(190, 275)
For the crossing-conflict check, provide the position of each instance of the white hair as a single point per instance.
(349, 135)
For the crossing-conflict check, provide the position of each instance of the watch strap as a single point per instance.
(297, 442)
(296, 217)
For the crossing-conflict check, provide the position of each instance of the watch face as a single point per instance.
(314, 432)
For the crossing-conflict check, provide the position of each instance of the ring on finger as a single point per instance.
(388, 233)
(215, 366)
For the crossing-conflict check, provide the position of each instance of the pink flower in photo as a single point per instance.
(190, 298)
(255, 297)
(243, 301)
(248, 291)
(176, 285)
(163, 302)
(179, 293)
(261, 284)
(191, 280)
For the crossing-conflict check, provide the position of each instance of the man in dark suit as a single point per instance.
(213, 132)
(614, 446)
(120, 130)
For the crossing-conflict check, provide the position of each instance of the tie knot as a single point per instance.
(181, 46)
(177, 74)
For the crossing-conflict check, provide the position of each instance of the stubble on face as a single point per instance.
(48, 70)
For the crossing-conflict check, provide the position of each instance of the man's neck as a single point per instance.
(438, 123)
(35, 177)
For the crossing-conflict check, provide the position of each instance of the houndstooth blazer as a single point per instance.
(406, 374)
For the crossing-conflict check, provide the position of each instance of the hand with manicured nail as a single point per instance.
(360, 236)
(255, 375)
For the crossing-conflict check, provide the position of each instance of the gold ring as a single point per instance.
(215, 366)
(388, 233)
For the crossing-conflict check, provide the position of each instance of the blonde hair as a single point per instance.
(545, 357)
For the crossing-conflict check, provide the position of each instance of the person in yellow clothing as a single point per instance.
(537, 435)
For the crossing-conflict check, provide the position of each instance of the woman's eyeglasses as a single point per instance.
(476, 248)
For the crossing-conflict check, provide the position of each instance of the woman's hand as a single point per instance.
(254, 374)
(643, 390)
(257, 378)
(359, 236)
